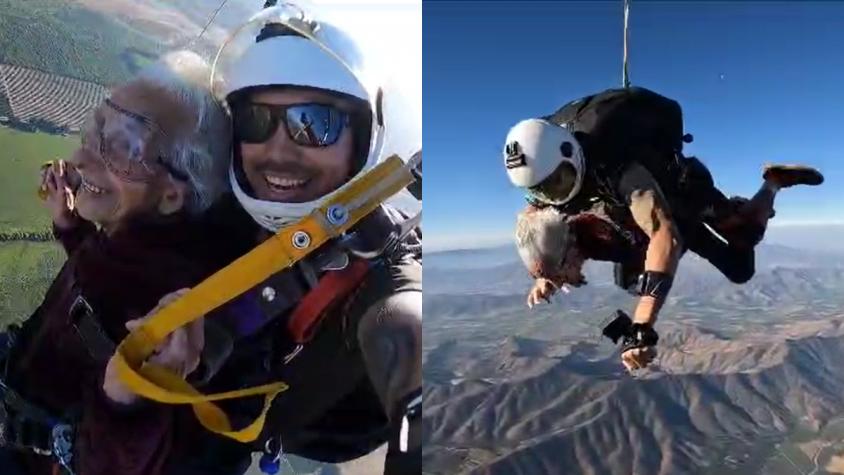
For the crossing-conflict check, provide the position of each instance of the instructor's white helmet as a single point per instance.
(546, 159)
(320, 55)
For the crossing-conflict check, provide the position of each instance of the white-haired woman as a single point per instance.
(152, 158)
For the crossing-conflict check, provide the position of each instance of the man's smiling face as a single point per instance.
(281, 170)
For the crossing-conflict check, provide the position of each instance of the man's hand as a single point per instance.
(543, 289)
(638, 358)
(180, 352)
(58, 194)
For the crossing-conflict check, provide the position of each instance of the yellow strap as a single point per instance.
(360, 198)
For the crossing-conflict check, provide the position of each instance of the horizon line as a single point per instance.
(459, 243)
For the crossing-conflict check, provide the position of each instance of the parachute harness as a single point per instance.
(281, 251)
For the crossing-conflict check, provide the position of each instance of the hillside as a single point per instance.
(746, 382)
(67, 39)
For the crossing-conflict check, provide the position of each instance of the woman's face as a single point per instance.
(280, 169)
(548, 247)
(117, 168)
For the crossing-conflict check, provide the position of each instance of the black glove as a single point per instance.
(641, 336)
(632, 335)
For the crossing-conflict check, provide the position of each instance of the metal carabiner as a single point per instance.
(270, 462)
(271, 459)
(62, 446)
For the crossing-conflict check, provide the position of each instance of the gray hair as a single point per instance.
(203, 154)
(541, 238)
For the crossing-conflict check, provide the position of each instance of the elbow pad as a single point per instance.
(654, 284)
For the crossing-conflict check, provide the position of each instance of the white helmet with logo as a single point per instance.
(535, 149)
(319, 55)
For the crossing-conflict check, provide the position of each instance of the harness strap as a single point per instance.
(332, 287)
(25, 426)
(281, 251)
(84, 320)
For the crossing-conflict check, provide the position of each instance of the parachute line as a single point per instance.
(625, 76)
(211, 19)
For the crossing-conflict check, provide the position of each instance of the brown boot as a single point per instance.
(790, 175)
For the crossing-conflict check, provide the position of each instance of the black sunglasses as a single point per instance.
(308, 125)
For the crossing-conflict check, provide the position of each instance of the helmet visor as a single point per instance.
(557, 188)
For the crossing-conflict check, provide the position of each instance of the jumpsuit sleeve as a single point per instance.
(136, 439)
(131, 440)
(72, 237)
(644, 197)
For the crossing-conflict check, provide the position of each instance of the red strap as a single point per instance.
(332, 287)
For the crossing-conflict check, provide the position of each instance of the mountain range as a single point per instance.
(747, 379)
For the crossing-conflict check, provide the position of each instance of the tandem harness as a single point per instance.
(26, 426)
(333, 277)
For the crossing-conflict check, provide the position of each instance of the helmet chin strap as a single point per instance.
(270, 215)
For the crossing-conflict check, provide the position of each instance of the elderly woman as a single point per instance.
(153, 157)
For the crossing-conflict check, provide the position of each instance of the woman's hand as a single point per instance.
(180, 352)
(543, 289)
(57, 194)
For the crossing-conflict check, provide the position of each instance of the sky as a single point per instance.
(758, 82)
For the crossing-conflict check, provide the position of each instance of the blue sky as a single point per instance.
(758, 81)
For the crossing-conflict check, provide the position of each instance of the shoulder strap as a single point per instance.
(333, 287)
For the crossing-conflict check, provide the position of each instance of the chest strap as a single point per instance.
(332, 288)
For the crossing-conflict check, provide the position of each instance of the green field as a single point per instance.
(26, 270)
(66, 39)
(62, 38)
(21, 155)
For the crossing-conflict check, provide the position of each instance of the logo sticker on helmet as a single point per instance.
(515, 156)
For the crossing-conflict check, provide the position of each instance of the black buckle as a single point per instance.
(19, 432)
(23, 433)
(26, 426)
(78, 310)
(100, 347)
